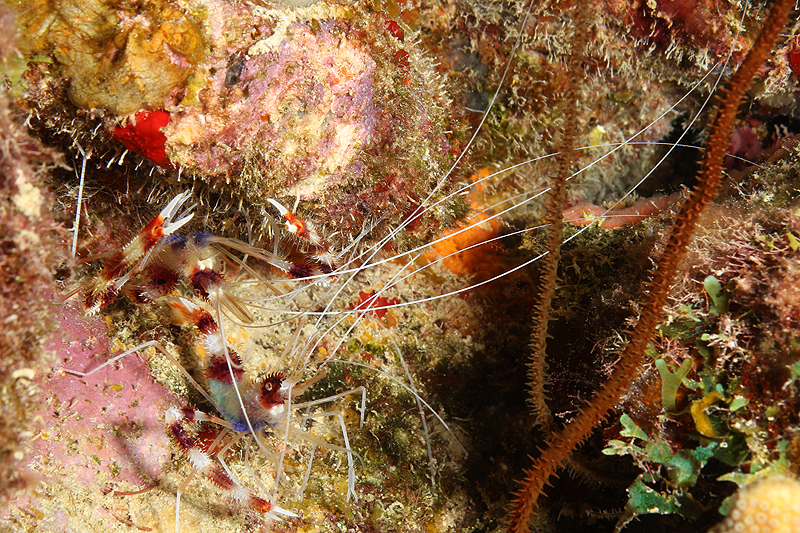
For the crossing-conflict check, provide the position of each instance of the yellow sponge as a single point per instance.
(769, 505)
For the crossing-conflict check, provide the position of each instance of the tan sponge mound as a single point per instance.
(769, 505)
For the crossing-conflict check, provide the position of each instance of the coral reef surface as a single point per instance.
(351, 115)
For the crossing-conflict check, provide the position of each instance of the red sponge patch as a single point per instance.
(143, 135)
(794, 56)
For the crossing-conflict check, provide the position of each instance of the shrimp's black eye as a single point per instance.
(271, 390)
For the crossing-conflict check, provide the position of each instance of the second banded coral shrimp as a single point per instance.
(269, 422)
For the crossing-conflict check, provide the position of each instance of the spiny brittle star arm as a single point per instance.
(710, 177)
(554, 221)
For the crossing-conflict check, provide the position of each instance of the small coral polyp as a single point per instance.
(769, 505)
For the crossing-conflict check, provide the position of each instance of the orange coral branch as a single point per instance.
(576, 432)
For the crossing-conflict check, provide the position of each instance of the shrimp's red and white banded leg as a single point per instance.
(306, 231)
(213, 466)
(211, 339)
(118, 269)
(195, 261)
(158, 281)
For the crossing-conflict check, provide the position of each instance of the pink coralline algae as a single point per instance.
(103, 410)
(314, 93)
(93, 434)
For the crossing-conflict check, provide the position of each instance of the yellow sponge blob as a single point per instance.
(769, 505)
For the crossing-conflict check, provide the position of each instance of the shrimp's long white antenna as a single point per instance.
(372, 252)
(76, 225)
(518, 165)
(374, 249)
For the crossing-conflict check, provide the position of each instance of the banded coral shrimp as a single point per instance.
(494, 399)
(148, 269)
